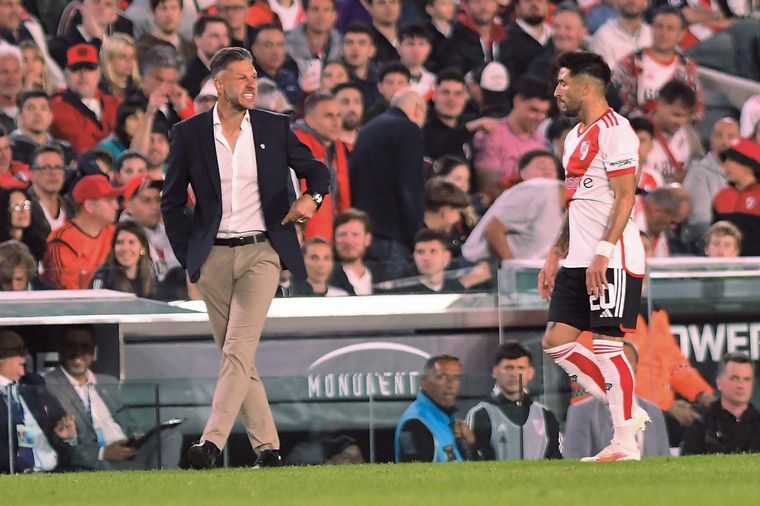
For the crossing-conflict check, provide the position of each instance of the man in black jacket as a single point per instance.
(475, 37)
(387, 176)
(527, 36)
(41, 429)
(509, 415)
(210, 34)
(731, 424)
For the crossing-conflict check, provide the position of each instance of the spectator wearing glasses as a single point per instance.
(16, 221)
(48, 178)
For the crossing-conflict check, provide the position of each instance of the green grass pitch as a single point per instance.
(686, 481)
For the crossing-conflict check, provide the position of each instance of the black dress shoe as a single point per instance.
(203, 454)
(268, 458)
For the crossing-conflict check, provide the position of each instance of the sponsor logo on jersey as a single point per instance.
(575, 182)
(621, 164)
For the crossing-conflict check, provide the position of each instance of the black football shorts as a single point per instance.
(613, 313)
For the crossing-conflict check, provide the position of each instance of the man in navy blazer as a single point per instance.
(239, 237)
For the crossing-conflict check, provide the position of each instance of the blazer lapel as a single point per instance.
(208, 147)
(259, 141)
(71, 396)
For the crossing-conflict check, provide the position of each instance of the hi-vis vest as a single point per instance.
(505, 434)
(439, 425)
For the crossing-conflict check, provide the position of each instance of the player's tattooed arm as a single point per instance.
(562, 242)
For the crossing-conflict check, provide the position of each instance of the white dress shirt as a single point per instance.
(93, 104)
(362, 284)
(99, 413)
(45, 457)
(242, 214)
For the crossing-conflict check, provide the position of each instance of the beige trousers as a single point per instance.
(237, 285)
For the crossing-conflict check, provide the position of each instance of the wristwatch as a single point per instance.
(317, 198)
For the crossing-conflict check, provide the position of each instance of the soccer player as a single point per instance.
(599, 285)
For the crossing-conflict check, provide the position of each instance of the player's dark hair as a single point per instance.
(585, 63)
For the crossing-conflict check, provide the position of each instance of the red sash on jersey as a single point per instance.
(664, 142)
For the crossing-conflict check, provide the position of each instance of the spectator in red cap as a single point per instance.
(740, 202)
(77, 248)
(82, 114)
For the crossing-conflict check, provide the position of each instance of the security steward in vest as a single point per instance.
(508, 415)
(428, 431)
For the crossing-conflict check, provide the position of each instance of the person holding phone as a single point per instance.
(107, 438)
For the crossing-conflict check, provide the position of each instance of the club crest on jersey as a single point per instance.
(584, 149)
(750, 203)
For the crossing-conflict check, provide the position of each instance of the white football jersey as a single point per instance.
(654, 75)
(662, 159)
(593, 154)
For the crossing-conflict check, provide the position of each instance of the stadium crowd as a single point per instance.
(436, 119)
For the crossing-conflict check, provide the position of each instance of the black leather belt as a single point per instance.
(242, 241)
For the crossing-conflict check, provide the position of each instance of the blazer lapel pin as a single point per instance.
(262, 146)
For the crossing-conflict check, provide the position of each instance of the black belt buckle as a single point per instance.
(239, 241)
(233, 242)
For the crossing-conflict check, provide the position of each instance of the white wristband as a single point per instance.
(604, 249)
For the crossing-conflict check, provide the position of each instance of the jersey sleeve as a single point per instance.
(60, 266)
(619, 148)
